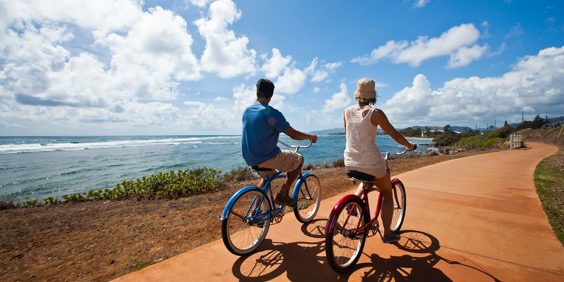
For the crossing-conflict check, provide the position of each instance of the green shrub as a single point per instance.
(338, 163)
(488, 143)
(8, 203)
(447, 139)
(171, 185)
(473, 142)
(240, 174)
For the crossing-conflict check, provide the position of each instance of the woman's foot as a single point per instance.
(391, 239)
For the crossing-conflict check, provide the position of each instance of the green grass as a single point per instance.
(549, 181)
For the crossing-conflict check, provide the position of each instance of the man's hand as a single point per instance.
(313, 138)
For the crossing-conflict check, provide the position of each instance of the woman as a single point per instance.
(362, 154)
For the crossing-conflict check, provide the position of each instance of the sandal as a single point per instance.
(390, 240)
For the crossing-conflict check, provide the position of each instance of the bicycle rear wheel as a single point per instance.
(399, 206)
(308, 199)
(247, 223)
(343, 246)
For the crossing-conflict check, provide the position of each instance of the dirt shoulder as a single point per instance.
(99, 241)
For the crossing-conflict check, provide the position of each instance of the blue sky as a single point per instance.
(131, 67)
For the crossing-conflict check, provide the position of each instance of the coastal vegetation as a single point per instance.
(549, 180)
(172, 184)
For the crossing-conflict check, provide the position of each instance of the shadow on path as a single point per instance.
(411, 267)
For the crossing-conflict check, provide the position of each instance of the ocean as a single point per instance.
(40, 167)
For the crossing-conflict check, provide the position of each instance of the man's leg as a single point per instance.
(291, 176)
(261, 183)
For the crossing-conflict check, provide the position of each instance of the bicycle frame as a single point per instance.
(364, 198)
(267, 192)
(331, 220)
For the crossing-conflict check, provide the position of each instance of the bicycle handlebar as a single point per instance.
(298, 147)
(405, 151)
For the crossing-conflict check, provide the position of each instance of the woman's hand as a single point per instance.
(413, 147)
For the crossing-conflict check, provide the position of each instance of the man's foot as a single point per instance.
(393, 239)
(284, 200)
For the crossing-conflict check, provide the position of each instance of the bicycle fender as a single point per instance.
(333, 215)
(298, 184)
(394, 181)
(234, 197)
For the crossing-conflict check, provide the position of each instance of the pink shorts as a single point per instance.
(284, 161)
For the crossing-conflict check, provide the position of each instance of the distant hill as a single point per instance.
(334, 130)
(551, 120)
(327, 131)
(455, 128)
(341, 130)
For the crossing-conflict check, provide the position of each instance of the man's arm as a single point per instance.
(296, 135)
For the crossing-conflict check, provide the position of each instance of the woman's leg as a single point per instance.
(385, 185)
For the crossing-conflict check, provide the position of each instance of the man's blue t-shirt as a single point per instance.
(262, 125)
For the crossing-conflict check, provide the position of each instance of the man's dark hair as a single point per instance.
(265, 88)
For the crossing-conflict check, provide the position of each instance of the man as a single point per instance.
(262, 125)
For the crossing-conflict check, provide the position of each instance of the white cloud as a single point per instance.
(421, 3)
(194, 104)
(199, 3)
(323, 72)
(516, 31)
(246, 96)
(290, 82)
(452, 43)
(464, 56)
(273, 66)
(338, 100)
(225, 54)
(535, 86)
(219, 99)
(159, 41)
(140, 56)
(316, 89)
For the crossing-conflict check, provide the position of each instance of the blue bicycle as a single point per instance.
(249, 213)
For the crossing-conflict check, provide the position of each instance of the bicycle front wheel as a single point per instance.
(247, 223)
(308, 199)
(399, 206)
(343, 245)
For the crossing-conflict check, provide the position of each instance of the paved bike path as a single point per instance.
(471, 219)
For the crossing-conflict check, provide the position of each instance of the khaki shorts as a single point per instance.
(284, 161)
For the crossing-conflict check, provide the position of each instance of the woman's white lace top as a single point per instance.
(361, 150)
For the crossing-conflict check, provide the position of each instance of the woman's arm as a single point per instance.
(345, 120)
(379, 118)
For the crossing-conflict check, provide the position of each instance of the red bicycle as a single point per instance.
(349, 223)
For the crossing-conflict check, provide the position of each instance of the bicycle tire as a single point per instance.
(342, 251)
(399, 206)
(240, 235)
(308, 200)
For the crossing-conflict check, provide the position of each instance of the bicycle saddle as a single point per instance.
(360, 175)
(257, 168)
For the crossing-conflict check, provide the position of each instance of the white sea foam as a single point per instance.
(75, 146)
